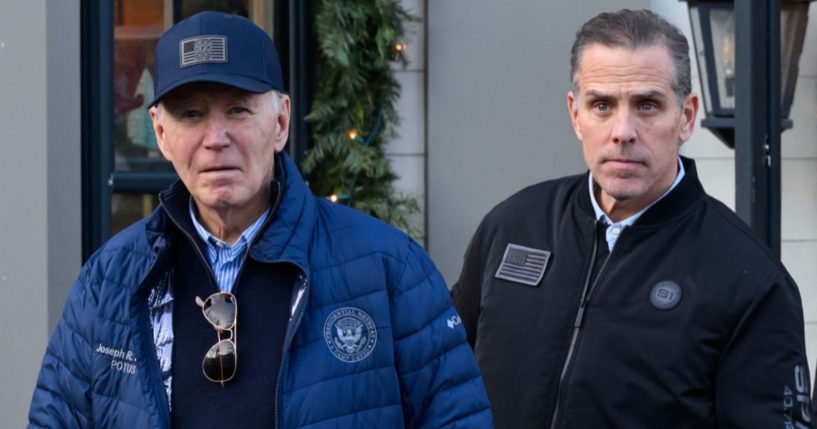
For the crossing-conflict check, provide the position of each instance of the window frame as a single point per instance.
(292, 31)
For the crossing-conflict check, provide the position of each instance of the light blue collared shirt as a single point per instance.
(225, 259)
(616, 228)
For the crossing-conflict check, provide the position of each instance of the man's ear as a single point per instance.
(159, 130)
(282, 123)
(689, 114)
(573, 109)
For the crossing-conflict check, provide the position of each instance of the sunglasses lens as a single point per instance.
(219, 362)
(219, 309)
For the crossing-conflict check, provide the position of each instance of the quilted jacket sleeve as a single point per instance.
(442, 386)
(62, 395)
(763, 377)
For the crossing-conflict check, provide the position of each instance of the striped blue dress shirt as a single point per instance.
(225, 259)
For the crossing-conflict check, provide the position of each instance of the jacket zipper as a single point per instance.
(577, 323)
(267, 221)
(146, 334)
(212, 278)
(243, 263)
(196, 247)
(305, 283)
(300, 310)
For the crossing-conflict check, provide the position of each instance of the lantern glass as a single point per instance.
(700, 54)
(722, 23)
(713, 30)
(793, 21)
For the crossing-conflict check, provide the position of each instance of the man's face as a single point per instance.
(222, 142)
(630, 123)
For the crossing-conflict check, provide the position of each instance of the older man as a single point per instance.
(627, 297)
(344, 321)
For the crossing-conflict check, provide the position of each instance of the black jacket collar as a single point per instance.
(676, 204)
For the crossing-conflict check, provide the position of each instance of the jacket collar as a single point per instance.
(675, 204)
(292, 223)
(285, 238)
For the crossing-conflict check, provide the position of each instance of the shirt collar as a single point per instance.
(213, 241)
(600, 215)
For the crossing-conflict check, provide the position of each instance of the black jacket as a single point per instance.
(690, 324)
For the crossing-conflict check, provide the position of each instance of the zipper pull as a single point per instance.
(580, 315)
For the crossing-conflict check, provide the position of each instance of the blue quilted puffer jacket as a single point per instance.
(411, 367)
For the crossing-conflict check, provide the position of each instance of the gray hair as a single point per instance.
(276, 98)
(634, 29)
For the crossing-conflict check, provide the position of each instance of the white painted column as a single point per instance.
(407, 152)
(39, 185)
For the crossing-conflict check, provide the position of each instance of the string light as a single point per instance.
(400, 47)
(352, 134)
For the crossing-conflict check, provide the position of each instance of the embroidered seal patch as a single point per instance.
(665, 295)
(522, 264)
(350, 334)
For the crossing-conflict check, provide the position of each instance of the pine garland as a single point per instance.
(353, 114)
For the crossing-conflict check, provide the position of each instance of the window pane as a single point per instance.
(192, 7)
(129, 208)
(137, 26)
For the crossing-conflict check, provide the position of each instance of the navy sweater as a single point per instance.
(262, 294)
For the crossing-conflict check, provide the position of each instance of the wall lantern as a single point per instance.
(713, 30)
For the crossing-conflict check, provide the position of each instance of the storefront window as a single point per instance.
(137, 27)
(129, 208)
(123, 169)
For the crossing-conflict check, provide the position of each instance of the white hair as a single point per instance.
(276, 100)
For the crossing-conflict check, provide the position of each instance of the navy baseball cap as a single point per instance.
(216, 47)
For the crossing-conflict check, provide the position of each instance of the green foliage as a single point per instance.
(357, 92)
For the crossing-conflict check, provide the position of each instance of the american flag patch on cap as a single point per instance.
(203, 49)
(522, 264)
